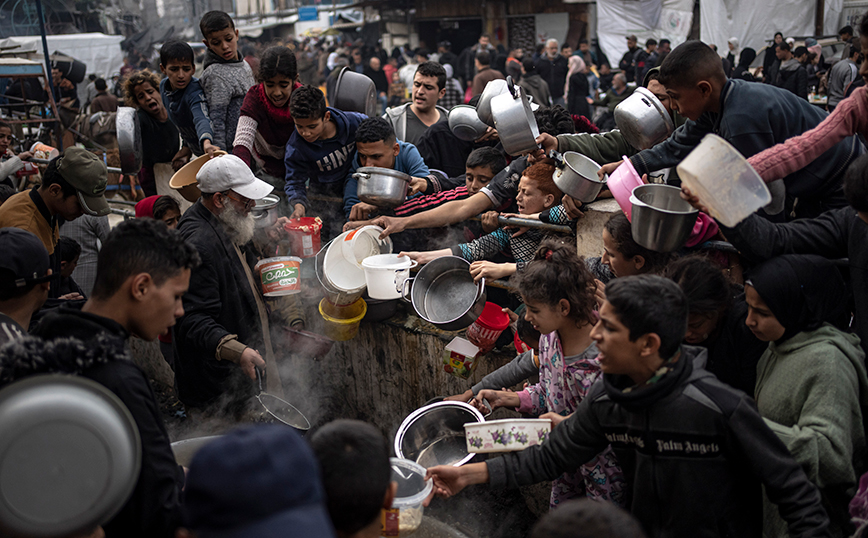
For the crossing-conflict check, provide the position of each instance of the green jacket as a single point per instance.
(811, 390)
(611, 99)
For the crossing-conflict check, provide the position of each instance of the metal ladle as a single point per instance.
(280, 409)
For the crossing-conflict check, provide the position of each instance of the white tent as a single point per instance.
(101, 53)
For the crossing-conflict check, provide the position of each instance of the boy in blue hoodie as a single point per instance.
(320, 151)
(184, 99)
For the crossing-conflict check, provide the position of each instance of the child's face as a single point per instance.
(278, 89)
(760, 319)
(477, 177)
(691, 102)
(618, 355)
(66, 268)
(5, 139)
(530, 199)
(223, 43)
(543, 317)
(160, 306)
(170, 217)
(618, 264)
(379, 153)
(148, 98)
(179, 73)
(311, 128)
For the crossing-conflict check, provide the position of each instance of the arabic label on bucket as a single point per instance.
(279, 276)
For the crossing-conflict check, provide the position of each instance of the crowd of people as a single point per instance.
(691, 393)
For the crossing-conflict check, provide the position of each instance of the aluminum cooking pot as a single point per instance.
(643, 120)
(265, 212)
(382, 187)
(576, 175)
(465, 123)
(483, 106)
(661, 220)
(129, 135)
(434, 434)
(445, 295)
(514, 120)
(355, 92)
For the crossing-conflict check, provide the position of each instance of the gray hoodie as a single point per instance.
(225, 84)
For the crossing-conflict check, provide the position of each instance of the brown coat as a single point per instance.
(482, 78)
(20, 211)
(104, 102)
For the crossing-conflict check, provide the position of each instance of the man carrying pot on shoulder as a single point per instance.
(224, 334)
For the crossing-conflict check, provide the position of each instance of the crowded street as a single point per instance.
(544, 269)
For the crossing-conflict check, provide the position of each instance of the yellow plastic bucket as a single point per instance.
(342, 322)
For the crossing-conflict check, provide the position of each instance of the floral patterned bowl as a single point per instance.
(506, 435)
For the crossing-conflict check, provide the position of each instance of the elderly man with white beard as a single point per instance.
(224, 333)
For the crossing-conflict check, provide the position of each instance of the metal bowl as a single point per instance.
(129, 135)
(643, 120)
(661, 220)
(434, 434)
(576, 175)
(70, 456)
(444, 293)
(186, 449)
(464, 123)
(355, 92)
(382, 187)
(265, 212)
(515, 123)
(483, 106)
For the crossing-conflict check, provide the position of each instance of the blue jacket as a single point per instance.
(408, 161)
(754, 117)
(188, 110)
(321, 161)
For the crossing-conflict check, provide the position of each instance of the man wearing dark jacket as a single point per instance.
(627, 62)
(694, 451)
(553, 69)
(792, 75)
(142, 272)
(534, 86)
(216, 340)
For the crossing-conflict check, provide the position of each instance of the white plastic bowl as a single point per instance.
(413, 489)
(385, 275)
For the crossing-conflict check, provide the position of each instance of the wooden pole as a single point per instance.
(819, 20)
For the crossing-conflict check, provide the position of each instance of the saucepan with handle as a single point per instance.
(280, 409)
(514, 120)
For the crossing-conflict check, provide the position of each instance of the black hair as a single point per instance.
(176, 50)
(526, 331)
(648, 304)
(433, 69)
(664, 40)
(141, 246)
(556, 273)
(307, 102)
(583, 41)
(786, 46)
(277, 61)
(650, 42)
(6, 191)
(587, 518)
(483, 57)
(5, 124)
(356, 473)
(565, 46)
(554, 120)
(703, 283)
(622, 234)
(486, 156)
(690, 63)
(91, 77)
(375, 129)
(528, 65)
(164, 204)
(778, 34)
(214, 21)
(100, 85)
(854, 51)
(67, 249)
(846, 30)
(863, 24)
(52, 176)
(856, 183)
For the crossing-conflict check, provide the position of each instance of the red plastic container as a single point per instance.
(520, 346)
(484, 332)
(304, 236)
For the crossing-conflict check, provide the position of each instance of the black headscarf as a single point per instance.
(748, 55)
(803, 292)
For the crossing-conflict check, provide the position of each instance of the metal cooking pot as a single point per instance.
(185, 450)
(660, 219)
(382, 187)
(265, 212)
(483, 106)
(434, 434)
(129, 135)
(643, 120)
(514, 120)
(355, 92)
(465, 123)
(576, 175)
(444, 293)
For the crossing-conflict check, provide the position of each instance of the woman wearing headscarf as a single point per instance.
(742, 70)
(732, 55)
(771, 53)
(577, 88)
(811, 383)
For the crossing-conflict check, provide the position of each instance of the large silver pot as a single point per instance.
(129, 140)
(643, 120)
(265, 212)
(514, 120)
(465, 123)
(444, 293)
(660, 219)
(434, 434)
(483, 106)
(576, 175)
(355, 92)
(382, 187)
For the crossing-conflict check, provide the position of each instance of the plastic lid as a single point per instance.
(413, 488)
(494, 317)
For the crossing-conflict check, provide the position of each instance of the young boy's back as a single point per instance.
(183, 97)
(226, 76)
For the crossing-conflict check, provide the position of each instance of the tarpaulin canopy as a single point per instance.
(101, 53)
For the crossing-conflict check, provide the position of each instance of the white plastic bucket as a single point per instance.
(364, 242)
(385, 275)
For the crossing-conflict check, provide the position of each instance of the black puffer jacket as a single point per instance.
(73, 342)
(694, 450)
(218, 303)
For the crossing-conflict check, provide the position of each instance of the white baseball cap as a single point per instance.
(230, 172)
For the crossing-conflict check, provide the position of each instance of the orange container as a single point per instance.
(279, 276)
(304, 236)
(43, 151)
